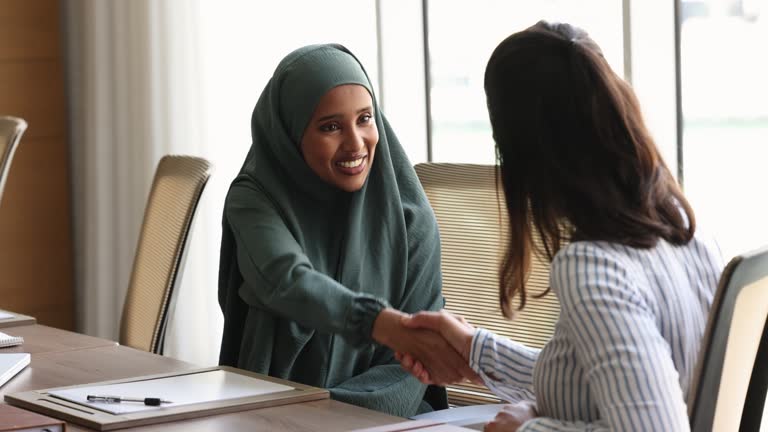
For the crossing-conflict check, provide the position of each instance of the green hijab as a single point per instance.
(305, 267)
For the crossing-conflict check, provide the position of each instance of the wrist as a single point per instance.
(385, 325)
(466, 343)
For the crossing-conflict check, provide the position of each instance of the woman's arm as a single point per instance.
(505, 366)
(280, 278)
(270, 258)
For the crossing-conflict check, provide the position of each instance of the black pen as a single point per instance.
(151, 401)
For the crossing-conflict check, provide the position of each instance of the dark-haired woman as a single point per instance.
(634, 279)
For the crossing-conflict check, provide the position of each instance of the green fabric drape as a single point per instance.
(305, 268)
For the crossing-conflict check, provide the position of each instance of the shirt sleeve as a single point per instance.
(505, 366)
(270, 258)
(629, 366)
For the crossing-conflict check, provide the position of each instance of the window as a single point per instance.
(724, 76)
(462, 36)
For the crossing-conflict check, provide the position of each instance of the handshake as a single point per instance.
(433, 346)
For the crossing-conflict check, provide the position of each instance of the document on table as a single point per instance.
(194, 388)
(5, 315)
(471, 417)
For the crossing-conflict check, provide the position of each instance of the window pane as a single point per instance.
(462, 36)
(724, 73)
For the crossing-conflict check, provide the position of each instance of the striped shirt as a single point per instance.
(625, 345)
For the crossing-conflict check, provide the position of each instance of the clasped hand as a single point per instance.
(433, 346)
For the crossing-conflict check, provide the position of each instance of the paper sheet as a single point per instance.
(181, 390)
(471, 417)
(5, 315)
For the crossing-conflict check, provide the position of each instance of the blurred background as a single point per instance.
(109, 86)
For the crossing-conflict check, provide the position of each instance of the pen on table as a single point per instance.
(151, 401)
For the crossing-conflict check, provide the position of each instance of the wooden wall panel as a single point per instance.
(34, 91)
(29, 29)
(36, 253)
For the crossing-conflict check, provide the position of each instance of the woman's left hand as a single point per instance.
(511, 417)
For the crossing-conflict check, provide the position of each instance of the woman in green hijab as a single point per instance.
(327, 233)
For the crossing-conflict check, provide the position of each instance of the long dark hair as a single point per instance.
(576, 160)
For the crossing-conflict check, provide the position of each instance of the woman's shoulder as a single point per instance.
(581, 267)
(591, 253)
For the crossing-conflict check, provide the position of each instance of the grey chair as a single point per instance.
(176, 189)
(731, 378)
(471, 215)
(11, 130)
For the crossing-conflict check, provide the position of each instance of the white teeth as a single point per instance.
(351, 164)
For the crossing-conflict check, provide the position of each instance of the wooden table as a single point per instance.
(62, 358)
(40, 339)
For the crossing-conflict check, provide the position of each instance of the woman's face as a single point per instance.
(340, 139)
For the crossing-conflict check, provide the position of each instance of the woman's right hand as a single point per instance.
(439, 358)
(454, 328)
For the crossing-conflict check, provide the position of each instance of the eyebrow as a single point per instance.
(333, 116)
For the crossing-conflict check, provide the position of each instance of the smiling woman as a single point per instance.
(340, 140)
(322, 247)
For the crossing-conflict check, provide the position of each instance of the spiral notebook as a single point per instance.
(11, 364)
(7, 340)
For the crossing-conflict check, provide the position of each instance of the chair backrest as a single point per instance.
(471, 214)
(176, 189)
(11, 130)
(729, 387)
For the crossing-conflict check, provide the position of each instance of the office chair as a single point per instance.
(11, 130)
(730, 382)
(176, 189)
(471, 214)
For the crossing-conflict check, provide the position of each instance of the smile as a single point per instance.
(352, 167)
(351, 164)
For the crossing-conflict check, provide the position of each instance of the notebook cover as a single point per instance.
(11, 364)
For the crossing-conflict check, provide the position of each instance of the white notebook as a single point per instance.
(209, 386)
(11, 364)
(7, 340)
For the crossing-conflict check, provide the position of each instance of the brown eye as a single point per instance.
(330, 127)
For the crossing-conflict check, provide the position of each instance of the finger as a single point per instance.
(417, 369)
(427, 320)
(407, 362)
(425, 378)
(398, 356)
(410, 359)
